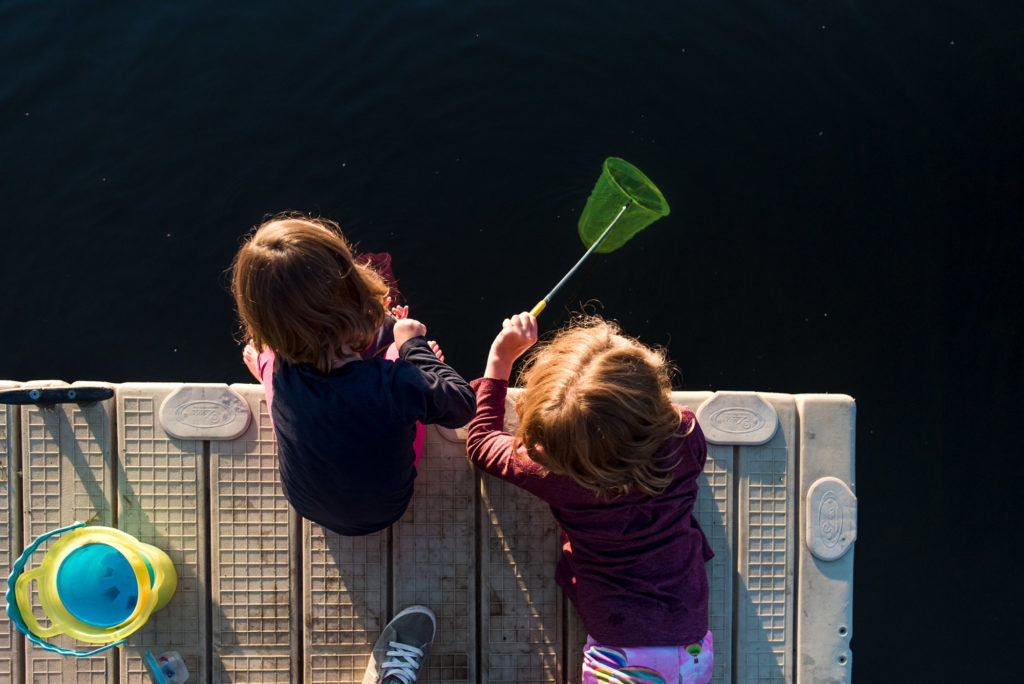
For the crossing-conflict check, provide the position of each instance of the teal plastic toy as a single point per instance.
(96, 584)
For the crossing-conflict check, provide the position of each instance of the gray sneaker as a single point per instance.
(402, 647)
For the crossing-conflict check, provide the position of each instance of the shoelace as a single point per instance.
(404, 663)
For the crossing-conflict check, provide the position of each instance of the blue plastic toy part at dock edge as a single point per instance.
(167, 668)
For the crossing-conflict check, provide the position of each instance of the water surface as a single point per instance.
(846, 193)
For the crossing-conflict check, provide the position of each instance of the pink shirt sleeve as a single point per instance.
(265, 364)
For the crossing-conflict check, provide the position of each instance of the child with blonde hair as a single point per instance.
(601, 442)
(345, 418)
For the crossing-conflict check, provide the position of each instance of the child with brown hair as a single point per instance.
(345, 419)
(601, 442)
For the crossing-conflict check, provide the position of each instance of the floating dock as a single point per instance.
(264, 596)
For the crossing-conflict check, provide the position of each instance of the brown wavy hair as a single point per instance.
(595, 406)
(299, 290)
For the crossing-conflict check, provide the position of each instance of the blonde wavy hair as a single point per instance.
(595, 406)
(299, 290)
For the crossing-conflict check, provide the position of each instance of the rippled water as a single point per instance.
(846, 193)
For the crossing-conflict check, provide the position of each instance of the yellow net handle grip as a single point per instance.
(538, 307)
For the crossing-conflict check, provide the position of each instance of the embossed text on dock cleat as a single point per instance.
(737, 420)
(204, 414)
(830, 519)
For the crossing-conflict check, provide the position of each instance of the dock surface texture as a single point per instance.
(264, 596)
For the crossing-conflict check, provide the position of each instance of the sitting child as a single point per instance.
(601, 442)
(345, 418)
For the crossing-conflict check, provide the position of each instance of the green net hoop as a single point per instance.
(620, 182)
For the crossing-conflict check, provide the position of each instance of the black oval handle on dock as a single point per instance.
(55, 395)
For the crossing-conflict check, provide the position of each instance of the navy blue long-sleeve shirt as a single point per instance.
(345, 439)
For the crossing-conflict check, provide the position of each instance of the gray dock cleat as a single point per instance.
(402, 647)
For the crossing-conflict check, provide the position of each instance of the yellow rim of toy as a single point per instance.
(61, 620)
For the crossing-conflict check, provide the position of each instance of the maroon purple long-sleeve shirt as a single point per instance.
(633, 565)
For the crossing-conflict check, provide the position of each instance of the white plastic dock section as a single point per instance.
(264, 596)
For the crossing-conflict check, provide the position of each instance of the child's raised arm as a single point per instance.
(518, 333)
(487, 445)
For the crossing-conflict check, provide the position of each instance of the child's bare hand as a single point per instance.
(250, 357)
(436, 349)
(398, 312)
(518, 334)
(406, 329)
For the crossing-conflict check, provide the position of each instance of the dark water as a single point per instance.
(846, 187)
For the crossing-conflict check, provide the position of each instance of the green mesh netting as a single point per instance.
(619, 182)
